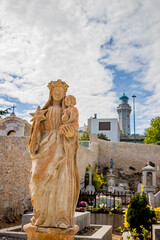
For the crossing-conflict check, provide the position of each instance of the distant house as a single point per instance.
(107, 126)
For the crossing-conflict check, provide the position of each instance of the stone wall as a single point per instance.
(127, 155)
(116, 220)
(15, 166)
(87, 156)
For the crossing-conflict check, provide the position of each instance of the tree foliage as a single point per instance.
(103, 136)
(85, 135)
(4, 112)
(98, 180)
(153, 133)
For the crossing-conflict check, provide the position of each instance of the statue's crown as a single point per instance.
(58, 83)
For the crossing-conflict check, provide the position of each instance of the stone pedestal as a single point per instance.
(42, 233)
(82, 219)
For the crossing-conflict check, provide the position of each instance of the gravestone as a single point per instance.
(90, 188)
(111, 180)
(155, 231)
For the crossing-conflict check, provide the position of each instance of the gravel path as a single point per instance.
(116, 237)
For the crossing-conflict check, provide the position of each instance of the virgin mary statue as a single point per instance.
(54, 184)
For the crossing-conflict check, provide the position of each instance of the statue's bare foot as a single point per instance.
(62, 225)
(33, 220)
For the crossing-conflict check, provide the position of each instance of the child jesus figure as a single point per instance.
(70, 116)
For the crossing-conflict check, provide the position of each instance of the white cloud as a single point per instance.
(5, 104)
(42, 41)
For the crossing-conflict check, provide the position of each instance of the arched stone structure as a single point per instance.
(11, 133)
(14, 126)
(149, 179)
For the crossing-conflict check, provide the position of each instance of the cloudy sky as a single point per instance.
(100, 48)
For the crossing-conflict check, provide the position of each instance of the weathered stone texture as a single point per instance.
(127, 155)
(35, 232)
(87, 156)
(15, 165)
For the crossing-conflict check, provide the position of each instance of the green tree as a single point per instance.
(103, 136)
(85, 135)
(4, 112)
(153, 133)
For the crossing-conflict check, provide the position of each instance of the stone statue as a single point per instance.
(111, 163)
(53, 145)
(111, 182)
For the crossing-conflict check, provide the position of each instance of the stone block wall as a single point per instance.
(15, 165)
(127, 155)
(87, 156)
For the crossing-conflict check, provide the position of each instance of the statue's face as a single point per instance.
(58, 93)
(68, 101)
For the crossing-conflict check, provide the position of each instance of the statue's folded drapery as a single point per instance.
(54, 184)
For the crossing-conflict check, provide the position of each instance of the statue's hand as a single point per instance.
(68, 131)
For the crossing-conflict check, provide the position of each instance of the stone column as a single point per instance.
(154, 179)
(90, 175)
(144, 178)
(43, 233)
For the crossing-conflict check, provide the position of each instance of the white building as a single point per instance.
(107, 126)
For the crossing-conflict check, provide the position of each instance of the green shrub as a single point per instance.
(4, 112)
(139, 215)
(85, 135)
(103, 136)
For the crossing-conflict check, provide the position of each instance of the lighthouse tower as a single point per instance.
(124, 110)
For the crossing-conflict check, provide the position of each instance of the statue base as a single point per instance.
(43, 233)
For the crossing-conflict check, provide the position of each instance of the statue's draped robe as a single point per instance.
(54, 184)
